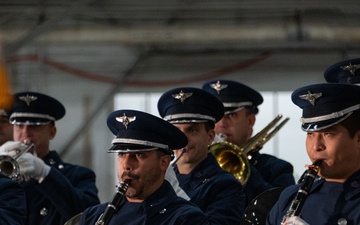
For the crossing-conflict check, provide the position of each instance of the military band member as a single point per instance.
(57, 190)
(344, 72)
(216, 192)
(241, 106)
(6, 129)
(330, 118)
(144, 146)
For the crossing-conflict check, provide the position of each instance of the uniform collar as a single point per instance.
(203, 171)
(351, 185)
(160, 199)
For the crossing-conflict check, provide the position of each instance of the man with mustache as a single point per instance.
(144, 145)
(216, 192)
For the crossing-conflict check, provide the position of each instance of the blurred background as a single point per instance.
(98, 56)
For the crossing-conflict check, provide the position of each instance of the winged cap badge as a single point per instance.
(125, 120)
(218, 86)
(311, 97)
(351, 68)
(182, 96)
(28, 99)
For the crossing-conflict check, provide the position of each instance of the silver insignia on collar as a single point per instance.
(125, 120)
(351, 68)
(218, 86)
(182, 96)
(311, 97)
(28, 99)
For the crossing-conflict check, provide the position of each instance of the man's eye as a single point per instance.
(193, 130)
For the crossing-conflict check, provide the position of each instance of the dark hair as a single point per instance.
(161, 152)
(352, 123)
(209, 125)
(249, 110)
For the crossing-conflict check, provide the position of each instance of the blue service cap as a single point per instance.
(139, 131)
(347, 71)
(32, 108)
(326, 104)
(190, 105)
(234, 95)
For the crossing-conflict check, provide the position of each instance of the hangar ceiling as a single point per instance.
(164, 43)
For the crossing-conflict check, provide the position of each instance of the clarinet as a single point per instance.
(307, 181)
(112, 206)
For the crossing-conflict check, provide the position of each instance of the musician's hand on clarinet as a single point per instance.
(33, 166)
(295, 220)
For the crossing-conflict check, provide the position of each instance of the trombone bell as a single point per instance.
(235, 160)
(231, 159)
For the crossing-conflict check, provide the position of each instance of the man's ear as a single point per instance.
(211, 135)
(164, 162)
(252, 119)
(52, 132)
(357, 136)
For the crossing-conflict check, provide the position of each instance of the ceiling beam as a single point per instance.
(181, 35)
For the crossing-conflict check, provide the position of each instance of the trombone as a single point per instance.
(235, 160)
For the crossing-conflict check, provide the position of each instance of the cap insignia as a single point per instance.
(182, 96)
(351, 68)
(218, 86)
(125, 120)
(311, 97)
(28, 99)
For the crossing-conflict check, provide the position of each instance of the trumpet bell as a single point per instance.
(231, 159)
(8, 166)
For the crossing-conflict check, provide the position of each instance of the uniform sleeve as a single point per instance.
(70, 194)
(12, 202)
(225, 202)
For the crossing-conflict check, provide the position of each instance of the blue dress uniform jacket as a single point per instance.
(163, 207)
(327, 203)
(12, 202)
(267, 172)
(216, 192)
(65, 192)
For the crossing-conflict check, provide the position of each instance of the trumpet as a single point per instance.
(235, 160)
(9, 165)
